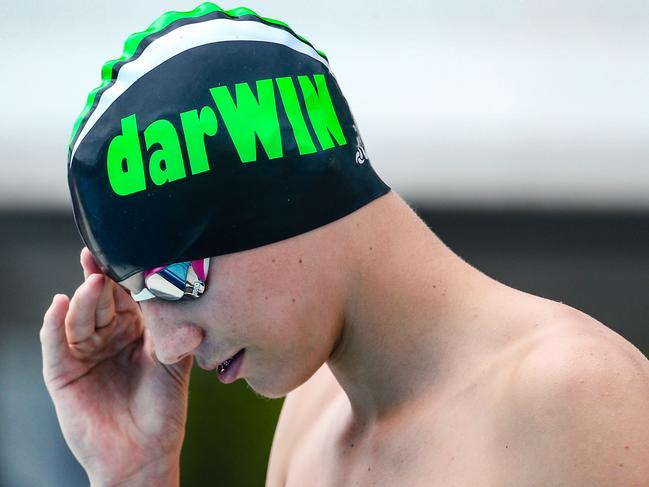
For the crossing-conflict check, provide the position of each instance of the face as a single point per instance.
(282, 303)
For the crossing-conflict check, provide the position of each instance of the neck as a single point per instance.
(407, 314)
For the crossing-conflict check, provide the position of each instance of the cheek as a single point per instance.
(290, 347)
(275, 308)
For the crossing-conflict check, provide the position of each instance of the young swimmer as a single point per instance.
(218, 179)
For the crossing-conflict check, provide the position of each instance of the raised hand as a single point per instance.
(122, 412)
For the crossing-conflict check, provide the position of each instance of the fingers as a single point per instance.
(88, 263)
(105, 312)
(54, 345)
(92, 306)
(95, 307)
(123, 300)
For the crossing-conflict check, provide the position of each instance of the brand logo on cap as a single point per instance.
(361, 156)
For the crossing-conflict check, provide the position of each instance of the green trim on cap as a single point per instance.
(133, 42)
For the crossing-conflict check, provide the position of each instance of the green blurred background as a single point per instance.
(229, 433)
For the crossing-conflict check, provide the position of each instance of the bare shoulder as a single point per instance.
(301, 410)
(576, 408)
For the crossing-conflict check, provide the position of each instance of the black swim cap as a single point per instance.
(215, 132)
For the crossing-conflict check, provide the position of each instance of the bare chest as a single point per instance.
(453, 446)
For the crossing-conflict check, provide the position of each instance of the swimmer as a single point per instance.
(232, 217)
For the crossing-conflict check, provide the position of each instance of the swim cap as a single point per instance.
(215, 132)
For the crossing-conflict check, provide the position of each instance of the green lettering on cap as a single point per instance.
(246, 119)
(166, 164)
(196, 126)
(124, 160)
(293, 110)
(321, 111)
(250, 116)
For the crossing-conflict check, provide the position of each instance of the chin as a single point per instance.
(268, 390)
(275, 386)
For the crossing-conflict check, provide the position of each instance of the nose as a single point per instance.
(174, 338)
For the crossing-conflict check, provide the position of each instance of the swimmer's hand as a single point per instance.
(122, 412)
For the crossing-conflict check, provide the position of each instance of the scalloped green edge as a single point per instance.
(133, 41)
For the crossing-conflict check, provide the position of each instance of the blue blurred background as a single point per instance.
(518, 129)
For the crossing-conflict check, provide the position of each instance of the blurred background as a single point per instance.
(518, 129)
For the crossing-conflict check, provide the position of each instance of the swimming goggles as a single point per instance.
(173, 282)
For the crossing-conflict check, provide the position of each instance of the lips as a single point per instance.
(227, 371)
(223, 366)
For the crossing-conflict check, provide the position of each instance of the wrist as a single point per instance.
(165, 473)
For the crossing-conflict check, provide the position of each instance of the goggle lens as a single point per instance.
(174, 282)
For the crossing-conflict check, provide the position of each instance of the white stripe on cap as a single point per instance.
(182, 39)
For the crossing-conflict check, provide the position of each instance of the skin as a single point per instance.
(403, 365)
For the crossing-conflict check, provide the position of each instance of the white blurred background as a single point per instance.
(532, 102)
